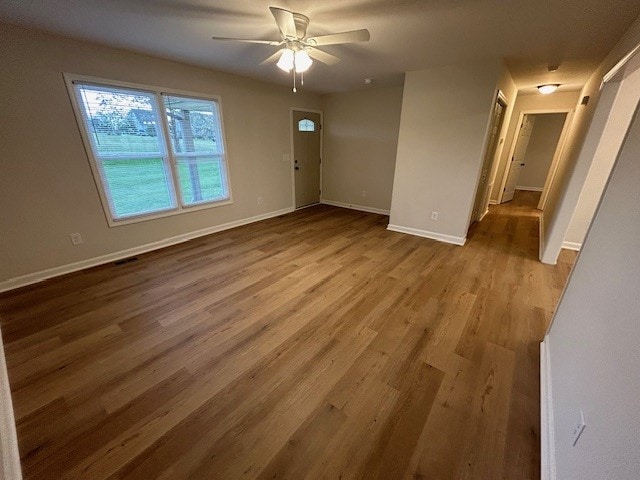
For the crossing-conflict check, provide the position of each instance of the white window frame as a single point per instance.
(175, 192)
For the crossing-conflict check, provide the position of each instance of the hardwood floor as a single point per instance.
(313, 345)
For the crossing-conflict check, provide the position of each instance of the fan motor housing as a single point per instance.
(302, 22)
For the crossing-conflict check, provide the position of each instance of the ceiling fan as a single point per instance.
(297, 49)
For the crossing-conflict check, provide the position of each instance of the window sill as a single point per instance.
(168, 213)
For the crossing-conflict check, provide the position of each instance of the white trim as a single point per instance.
(362, 208)
(441, 237)
(307, 206)
(547, 435)
(529, 189)
(493, 202)
(486, 194)
(618, 66)
(572, 245)
(10, 456)
(36, 277)
(484, 214)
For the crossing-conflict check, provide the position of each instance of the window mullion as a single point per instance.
(173, 164)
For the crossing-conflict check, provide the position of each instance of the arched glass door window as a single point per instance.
(306, 125)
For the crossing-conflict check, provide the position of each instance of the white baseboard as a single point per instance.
(484, 215)
(529, 189)
(541, 234)
(441, 237)
(308, 206)
(572, 246)
(36, 277)
(547, 435)
(9, 454)
(493, 202)
(362, 208)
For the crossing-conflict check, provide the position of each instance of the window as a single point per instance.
(306, 125)
(153, 153)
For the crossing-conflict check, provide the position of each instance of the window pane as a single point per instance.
(126, 140)
(201, 179)
(196, 140)
(306, 125)
(120, 121)
(137, 186)
(193, 125)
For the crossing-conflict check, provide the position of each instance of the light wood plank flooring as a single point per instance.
(314, 345)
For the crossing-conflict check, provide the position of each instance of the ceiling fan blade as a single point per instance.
(272, 58)
(248, 40)
(285, 21)
(323, 57)
(336, 38)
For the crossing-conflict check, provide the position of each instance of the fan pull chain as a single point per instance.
(302, 79)
(294, 74)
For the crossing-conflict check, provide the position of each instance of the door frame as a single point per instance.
(484, 208)
(555, 161)
(291, 155)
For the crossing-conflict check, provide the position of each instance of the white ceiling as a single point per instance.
(405, 34)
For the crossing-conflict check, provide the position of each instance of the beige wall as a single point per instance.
(594, 341)
(46, 187)
(542, 146)
(360, 143)
(555, 101)
(443, 129)
(572, 174)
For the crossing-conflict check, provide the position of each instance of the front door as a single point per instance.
(306, 157)
(517, 160)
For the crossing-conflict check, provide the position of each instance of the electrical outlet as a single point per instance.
(260, 201)
(364, 193)
(435, 215)
(578, 429)
(76, 238)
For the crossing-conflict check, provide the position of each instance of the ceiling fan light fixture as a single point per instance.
(286, 60)
(295, 44)
(302, 61)
(548, 88)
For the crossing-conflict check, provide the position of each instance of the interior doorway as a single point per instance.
(535, 153)
(307, 156)
(481, 203)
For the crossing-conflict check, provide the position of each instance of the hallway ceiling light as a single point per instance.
(548, 88)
